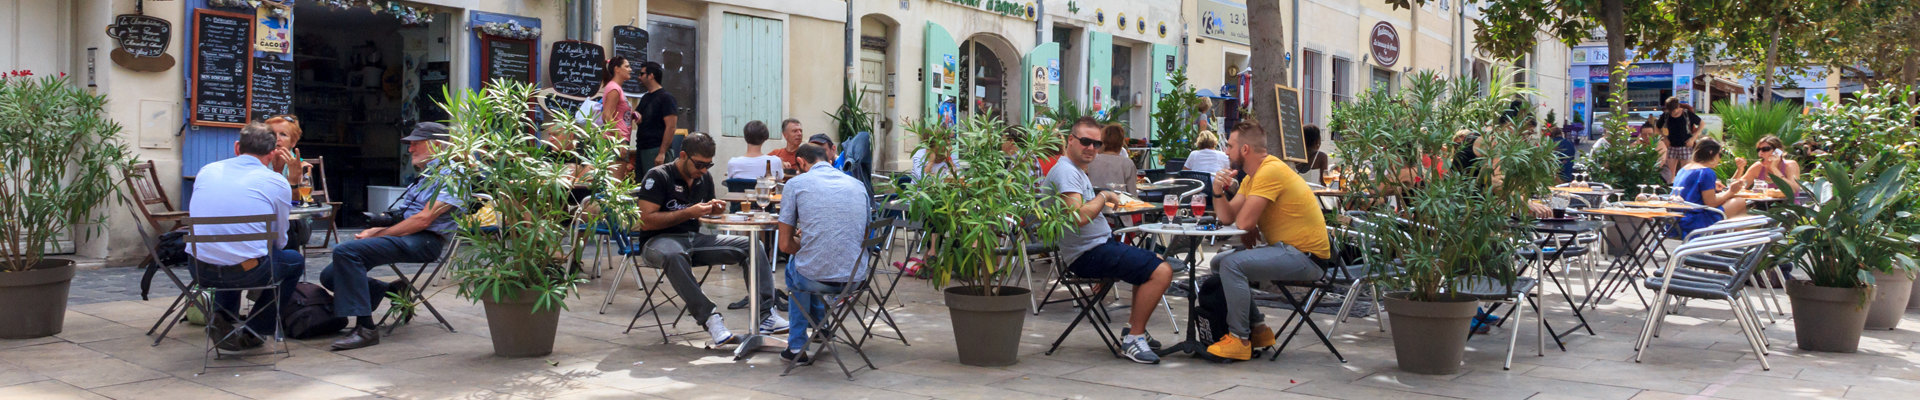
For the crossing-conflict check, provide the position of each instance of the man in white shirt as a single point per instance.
(244, 186)
(755, 164)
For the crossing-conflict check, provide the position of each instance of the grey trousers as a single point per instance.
(671, 254)
(1239, 270)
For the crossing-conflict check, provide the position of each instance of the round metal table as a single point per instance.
(317, 209)
(1167, 231)
(751, 228)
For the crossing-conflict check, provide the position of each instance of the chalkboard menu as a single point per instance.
(221, 54)
(574, 67)
(506, 58)
(272, 86)
(1293, 144)
(631, 42)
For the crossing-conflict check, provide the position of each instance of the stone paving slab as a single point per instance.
(105, 354)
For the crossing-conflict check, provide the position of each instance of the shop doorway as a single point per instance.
(361, 80)
(983, 76)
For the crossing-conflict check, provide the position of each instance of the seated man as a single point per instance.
(673, 196)
(754, 164)
(1278, 210)
(1091, 251)
(418, 238)
(244, 186)
(827, 205)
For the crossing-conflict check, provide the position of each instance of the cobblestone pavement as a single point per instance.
(103, 353)
(123, 283)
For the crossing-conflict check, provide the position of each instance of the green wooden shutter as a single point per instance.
(1099, 72)
(942, 56)
(768, 65)
(1164, 57)
(1042, 63)
(752, 86)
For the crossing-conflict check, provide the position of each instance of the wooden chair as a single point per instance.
(147, 191)
(320, 195)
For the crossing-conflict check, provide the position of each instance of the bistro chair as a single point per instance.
(267, 302)
(176, 310)
(321, 195)
(842, 303)
(1752, 245)
(876, 297)
(418, 294)
(1334, 273)
(634, 250)
(148, 193)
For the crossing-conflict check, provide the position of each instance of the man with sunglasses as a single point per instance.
(672, 198)
(1091, 251)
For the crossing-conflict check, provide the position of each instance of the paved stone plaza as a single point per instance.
(103, 353)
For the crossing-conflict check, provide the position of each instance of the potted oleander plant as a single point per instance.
(518, 240)
(994, 199)
(1174, 122)
(1456, 229)
(56, 170)
(1875, 125)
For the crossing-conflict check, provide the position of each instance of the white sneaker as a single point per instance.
(774, 324)
(717, 327)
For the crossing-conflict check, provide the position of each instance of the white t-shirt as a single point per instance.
(1208, 160)
(920, 163)
(753, 167)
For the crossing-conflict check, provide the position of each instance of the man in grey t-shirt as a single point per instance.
(1091, 253)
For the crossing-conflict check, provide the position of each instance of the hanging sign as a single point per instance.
(141, 42)
(574, 67)
(512, 59)
(1224, 21)
(274, 27)
(272, 91)
(631, 42)
(221, 58)
(1040, 83)
(1385, 43)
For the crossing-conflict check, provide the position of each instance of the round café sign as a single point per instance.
(1386, 43)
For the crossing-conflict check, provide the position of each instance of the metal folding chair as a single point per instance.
(633, 252)
(846, 302)
(1725, 288)
(269, 293)
(877, 298)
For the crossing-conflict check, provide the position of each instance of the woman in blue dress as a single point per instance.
(1698, 184)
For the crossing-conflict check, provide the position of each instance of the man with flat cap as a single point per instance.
(425, 229)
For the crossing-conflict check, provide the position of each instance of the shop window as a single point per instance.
(1342, 85)
(1382, 80)
(1310, 80)
(1122, 85)
(673, 41)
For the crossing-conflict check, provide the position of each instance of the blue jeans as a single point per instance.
(354, 294)
(289, 265)
(803, 300)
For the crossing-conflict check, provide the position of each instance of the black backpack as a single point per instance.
(310, 313)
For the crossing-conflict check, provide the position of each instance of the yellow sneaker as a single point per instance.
(1232, 348)
(1262, 337)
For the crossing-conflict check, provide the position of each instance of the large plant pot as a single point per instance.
(517, 330)
(1430, 337)
(35, 300)
(1890, 294)
(1827, 319)
(1913, 299)
(986, 329)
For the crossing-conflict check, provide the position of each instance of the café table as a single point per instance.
(1167, 231)
(1570, 229)
(316, 209)
(748, 225)
(742, 200)
(1643, 232)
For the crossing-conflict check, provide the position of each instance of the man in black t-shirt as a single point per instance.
(658, 116)
(1681, 128)
(672, 199)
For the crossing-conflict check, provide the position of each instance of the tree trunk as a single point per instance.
(1912, 66)
(1773, 55)
(1614, 18)
(1269, 61)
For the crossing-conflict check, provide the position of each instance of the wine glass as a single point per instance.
(1171, 205)
(1198, 205)
(763, 198)
(1642, 195)
(1674, 194)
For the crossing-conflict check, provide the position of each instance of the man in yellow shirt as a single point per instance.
(1286, 236)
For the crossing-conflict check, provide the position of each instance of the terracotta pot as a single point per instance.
(1430, 337)
(986, 329)
(517, 330)
(1828, 319)
(35, 300)
(1890, 294)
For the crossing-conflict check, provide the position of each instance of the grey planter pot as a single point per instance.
(1913, 299)
(1890, 294)
(517, 330)
(1828, 319)
(986, 329)
(1430, 337)
(36, 300)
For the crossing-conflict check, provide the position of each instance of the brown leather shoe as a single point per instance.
(359, 337)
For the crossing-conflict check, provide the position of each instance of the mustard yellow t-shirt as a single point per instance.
(1293, 213)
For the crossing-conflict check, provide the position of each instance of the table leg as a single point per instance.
(755, 341)
(1192, 344)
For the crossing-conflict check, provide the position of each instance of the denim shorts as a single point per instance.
(1114, 260)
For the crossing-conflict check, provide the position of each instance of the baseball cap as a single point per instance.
(820, 139)
(425, 131)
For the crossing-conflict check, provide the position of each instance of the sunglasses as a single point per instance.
(1766, 149)
(1089, 142)
(701, 165)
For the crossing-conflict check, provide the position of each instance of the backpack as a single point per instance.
(310, 313)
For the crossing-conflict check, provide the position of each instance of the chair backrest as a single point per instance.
(739, 185)
(194, 239)
(144, 182)
(1729, 225)
(320, 180)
